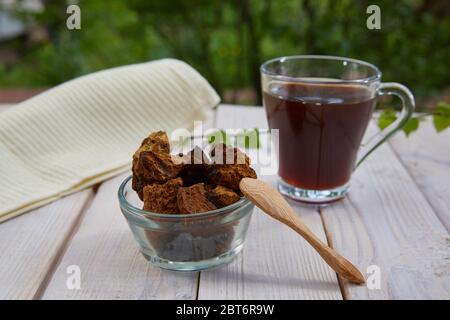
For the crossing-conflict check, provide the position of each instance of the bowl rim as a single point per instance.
(125, 204)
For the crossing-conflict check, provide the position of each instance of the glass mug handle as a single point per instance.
(407, 98)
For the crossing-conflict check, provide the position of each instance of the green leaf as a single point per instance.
(219, 137)
(443, 108)
(441, 119)
(249, 139)
(441, 123)
(411, 126)
(386, 118)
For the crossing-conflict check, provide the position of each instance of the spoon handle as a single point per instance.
(272, 203)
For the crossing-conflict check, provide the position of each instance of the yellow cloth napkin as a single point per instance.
(85, 130)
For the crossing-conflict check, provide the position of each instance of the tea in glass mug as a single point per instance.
(322, 106)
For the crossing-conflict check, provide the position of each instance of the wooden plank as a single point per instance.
(31, 244)
(386, 221)
(109, 260)
(275, 263)
(426, 156)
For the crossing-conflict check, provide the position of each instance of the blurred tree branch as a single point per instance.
(253, 49)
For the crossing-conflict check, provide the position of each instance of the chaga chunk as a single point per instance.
(194, 199)
(230, 166)
(138, 184)
(162, 198)
(158, 167)
(154, 167)
(229, 175)
(224, 154)
(195, 167)
(156, 142)
(222, 196)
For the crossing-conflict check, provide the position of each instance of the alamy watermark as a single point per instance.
(73, 281)
(73, 21)
(260, 145)
(374, 20)
(373, 281)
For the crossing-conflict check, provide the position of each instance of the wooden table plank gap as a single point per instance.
(57, 258)
(340, 280)
(198, 285)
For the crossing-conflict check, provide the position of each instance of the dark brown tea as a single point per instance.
(320, 129)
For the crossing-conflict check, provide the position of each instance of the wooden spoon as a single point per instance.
(272, 202)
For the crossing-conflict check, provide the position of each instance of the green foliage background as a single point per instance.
(227, 40)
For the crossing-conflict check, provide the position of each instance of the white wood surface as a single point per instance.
(31, 244)
(426, 156)
(386, 221)
(276, 263)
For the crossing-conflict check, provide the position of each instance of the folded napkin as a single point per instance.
(85, 130)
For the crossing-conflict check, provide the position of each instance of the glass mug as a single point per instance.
(322, 106)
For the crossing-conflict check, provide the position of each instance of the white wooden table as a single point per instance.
(397, 217)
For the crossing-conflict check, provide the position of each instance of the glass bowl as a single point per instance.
(186, 242)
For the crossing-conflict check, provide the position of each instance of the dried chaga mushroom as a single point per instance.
(158, 167)
(162, 198)
(229, 175)
(152, 162)
(223, 154)
(195, 167)
(153, 165)
(194, 199)
(229, 167)
(156, 142)
(222, 196)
